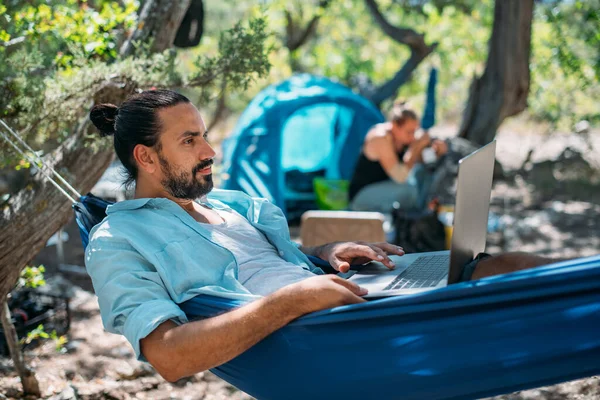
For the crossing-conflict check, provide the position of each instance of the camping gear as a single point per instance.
(30, 308)
(191, 28)
(428, 119)
(303, 128)
(319, 227)
(331, 194)
(418, 231)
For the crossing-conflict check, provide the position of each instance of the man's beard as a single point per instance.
(182, 185)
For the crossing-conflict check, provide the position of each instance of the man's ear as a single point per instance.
(145, 158)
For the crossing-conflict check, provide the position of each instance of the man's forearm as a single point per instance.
(179, 351)
(316, 251)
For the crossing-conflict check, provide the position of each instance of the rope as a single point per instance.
(41, 161)
(71, 188)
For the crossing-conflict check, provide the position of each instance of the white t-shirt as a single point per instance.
(261, 270)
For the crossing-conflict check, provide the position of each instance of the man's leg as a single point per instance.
(508, 262)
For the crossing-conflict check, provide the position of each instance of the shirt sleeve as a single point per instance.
(133, 300)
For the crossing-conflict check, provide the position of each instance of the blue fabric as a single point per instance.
(302, 126)
(89, 212)
(148, 255)
(428, 119)
(469, 340)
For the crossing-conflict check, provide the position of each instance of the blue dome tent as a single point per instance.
(303, 127)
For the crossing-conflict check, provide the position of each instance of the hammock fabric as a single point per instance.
(496, 335)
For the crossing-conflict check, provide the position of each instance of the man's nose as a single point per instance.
(206, 151)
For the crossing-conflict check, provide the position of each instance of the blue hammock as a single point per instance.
(474, 339)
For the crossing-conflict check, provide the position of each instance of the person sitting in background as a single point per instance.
(390, 168)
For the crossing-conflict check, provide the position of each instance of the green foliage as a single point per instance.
(32, 277)
(23, 165)
(565, 63)
(39, 333)
(349, 45)
(69, 26)
(48, 81)
(579, 20)
(242, 58)
(465, 6)
(47, 41)
(564, 60)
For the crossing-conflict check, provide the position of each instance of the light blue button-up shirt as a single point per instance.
(149, 255)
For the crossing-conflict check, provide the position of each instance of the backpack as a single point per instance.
(418, 232)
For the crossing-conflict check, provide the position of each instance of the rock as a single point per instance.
(57, 286)
(72, 346)
(70, 393)
(582, 127)
(128, 372)
(69, 374)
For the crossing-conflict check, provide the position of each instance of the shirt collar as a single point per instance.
(127, 205)
(159, 202)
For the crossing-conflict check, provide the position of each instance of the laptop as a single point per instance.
(420, 272)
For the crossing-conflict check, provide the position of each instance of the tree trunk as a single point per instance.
(38, 211)
(502, 90)
(418, 51)
(159, 21)
(28, 380)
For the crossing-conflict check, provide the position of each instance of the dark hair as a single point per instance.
(401, 113)
(134, 122)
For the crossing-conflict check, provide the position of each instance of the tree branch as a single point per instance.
(14, 41)
(390, 88)
(405, 36)
(294, 39)
(159, 21)
(220, 108)
(418, 51)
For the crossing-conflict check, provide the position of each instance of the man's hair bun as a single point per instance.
(103, 116)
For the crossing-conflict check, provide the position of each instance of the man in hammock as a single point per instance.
(172, 242)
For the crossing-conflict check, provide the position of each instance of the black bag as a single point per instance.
(418, 232)
(192, 26)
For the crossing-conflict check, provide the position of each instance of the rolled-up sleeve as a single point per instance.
(132, 297)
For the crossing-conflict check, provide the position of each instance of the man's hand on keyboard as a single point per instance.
(342, 254)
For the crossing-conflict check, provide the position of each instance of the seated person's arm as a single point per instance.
(134, 302)
(415, 150)
(382, 149)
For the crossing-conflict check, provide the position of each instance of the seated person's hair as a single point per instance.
(401, 112)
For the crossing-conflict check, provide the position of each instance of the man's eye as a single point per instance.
(188, 141)
(205, 136)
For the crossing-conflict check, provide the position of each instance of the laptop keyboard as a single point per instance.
(425, 271)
